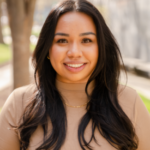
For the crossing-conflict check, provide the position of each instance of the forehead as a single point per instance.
(75, 22)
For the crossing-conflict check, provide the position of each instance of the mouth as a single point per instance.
(75, 67)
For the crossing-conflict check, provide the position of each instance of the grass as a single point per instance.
(146, 101)
(5, 53)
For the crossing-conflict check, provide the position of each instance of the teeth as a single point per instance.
(74, 65)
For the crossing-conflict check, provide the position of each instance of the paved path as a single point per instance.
(140, 84)
(5, 76)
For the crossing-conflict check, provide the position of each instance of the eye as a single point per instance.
(62, 41)
(86, 41)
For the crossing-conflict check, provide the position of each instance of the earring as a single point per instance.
(48, 57)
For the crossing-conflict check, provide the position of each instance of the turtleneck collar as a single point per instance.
(74, 93)
(74, 86)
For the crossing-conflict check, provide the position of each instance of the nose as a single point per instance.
(74, 50)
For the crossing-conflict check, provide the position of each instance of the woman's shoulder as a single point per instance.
(127, 99)
(24, 91)
(16, 102)
(126, 93)
(24, 94)
(20, 97)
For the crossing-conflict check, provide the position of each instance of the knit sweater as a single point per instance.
(73, 94)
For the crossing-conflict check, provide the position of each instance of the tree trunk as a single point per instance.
(1, 35)
(20, 20)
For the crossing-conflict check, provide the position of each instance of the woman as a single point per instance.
(77, 102)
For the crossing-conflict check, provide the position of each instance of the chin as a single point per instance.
(74, 79)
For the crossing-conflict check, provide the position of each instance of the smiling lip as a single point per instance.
(74, 69)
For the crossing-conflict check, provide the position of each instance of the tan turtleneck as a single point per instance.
(73, 94)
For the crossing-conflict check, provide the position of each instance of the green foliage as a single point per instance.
(36, 33)
(146, 101)
(32, 47)
(5, 53)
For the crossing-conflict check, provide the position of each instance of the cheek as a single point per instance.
(92, 54)
(56, 54)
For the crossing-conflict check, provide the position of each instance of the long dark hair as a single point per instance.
(103, 108)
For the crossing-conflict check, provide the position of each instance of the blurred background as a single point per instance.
(21, 22)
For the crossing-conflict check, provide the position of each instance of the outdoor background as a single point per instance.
(21, 22)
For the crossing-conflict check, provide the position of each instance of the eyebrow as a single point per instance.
(82, 34)
(87, 33)
(62, 34)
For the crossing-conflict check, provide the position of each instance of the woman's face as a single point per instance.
(74, 52)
